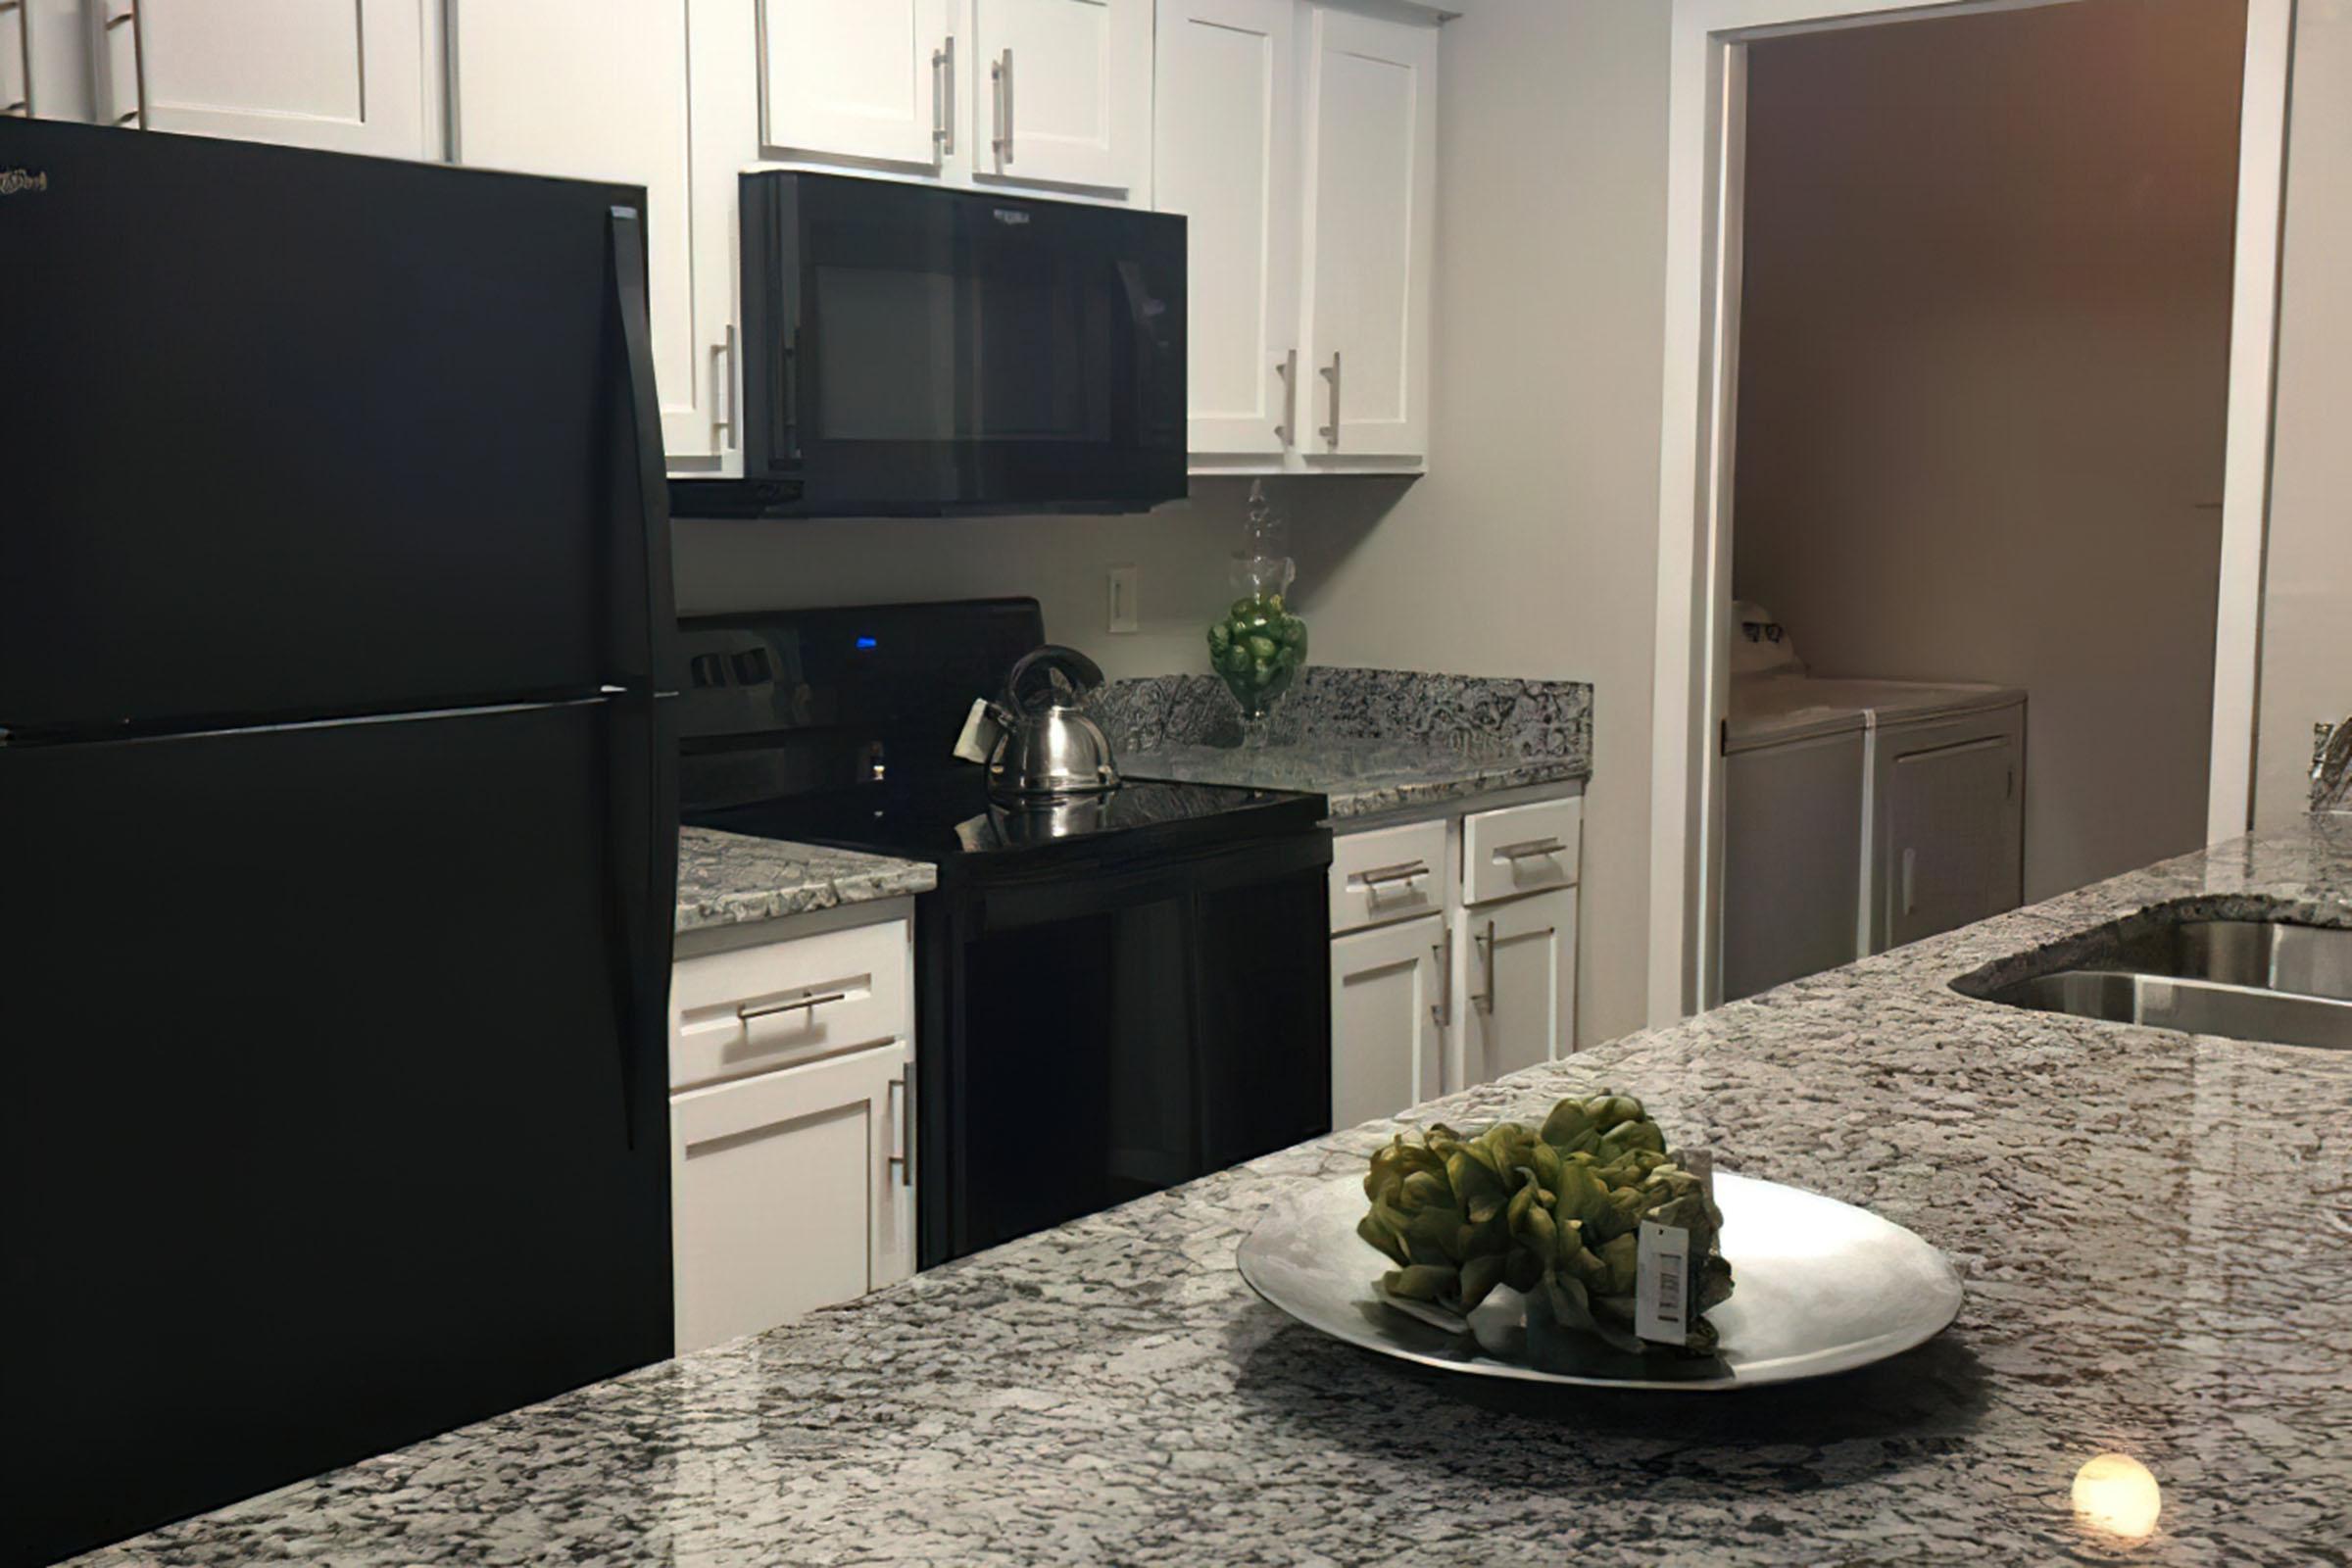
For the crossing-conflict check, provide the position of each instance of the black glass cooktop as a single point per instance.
(947, 818)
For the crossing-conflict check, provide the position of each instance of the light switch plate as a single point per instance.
(1122, 598)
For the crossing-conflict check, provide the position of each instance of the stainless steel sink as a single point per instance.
(2242, 979)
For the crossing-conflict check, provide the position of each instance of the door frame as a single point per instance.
(1706, 151)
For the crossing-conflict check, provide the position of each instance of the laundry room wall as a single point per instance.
(1984, 359)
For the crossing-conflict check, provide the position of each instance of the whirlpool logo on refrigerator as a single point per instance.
(17, 181)
(1013, 215)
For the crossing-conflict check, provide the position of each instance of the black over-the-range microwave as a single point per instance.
(915, 351)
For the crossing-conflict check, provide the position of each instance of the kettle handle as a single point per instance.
(1083, 672)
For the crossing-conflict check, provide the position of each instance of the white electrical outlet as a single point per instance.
(1122, 599)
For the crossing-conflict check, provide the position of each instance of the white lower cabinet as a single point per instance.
(1452, 953)
(1519, 1002)
(789, 1192)
(1387, 1040)
(790, 1123)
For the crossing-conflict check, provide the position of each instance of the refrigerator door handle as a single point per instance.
(642, 790)
(644, 633)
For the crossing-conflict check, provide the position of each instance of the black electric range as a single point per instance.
(1114, 993)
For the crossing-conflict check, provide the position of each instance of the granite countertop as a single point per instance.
(1356, 778)
(728, 879)
(2155, 1231)
(1366, 740)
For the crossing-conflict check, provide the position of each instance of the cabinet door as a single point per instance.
(1519, 1000)
(1370, 235)
(1225, 155)
(1062, 92)
(45, 60)
(857, 78)
(603, 89)
(790, 1192)
(1386, 1001)
(348, 78)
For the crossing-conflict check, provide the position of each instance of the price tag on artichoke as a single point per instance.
(981, 732)
(1662, 1284)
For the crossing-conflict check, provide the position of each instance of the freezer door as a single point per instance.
(287, 433)
(334, 1108)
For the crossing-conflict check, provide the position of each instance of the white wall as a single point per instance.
(2307, 587)
(1180, 552)
(1985, 350)
(1528, 550)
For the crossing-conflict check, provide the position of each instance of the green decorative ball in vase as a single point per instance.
(1259, 645)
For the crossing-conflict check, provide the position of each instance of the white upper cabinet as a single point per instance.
(622, 91)
(1064, 92)
(1371, 197)
(45, 60)
(347, 77)
(859, 79)
(1226, 150)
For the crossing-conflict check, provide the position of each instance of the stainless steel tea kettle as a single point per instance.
(1049, 747)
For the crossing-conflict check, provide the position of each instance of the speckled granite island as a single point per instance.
(2155, 1231)
(728, 879)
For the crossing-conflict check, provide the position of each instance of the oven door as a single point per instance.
(919, 351)
(1086, 1040)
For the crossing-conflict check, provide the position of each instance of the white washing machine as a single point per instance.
(1859, 815)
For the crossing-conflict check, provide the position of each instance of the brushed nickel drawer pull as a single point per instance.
(747, 1013)
(1530, 849)
(1381, 876)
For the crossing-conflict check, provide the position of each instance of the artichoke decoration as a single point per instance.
(1553, 1213)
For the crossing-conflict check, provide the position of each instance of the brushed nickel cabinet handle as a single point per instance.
(747, 1013)
(943, 97)
(1331, 431)
(1530, 849)
(904, 1160)
(24, 10)
(1287, 368)
(1440, 1011)
(1485, 1001)
(1382, 876)
(138, 57)
(999, 76)
(722, 366)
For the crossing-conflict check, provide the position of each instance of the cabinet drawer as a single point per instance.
(1393, 873)
(1521, 849)
(792, 1001)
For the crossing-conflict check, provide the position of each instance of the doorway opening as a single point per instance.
(1984, 359)
(1970, 336)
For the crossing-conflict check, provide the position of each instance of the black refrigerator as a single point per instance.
(337, 814)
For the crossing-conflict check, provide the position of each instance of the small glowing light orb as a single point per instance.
(2115, 1492)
